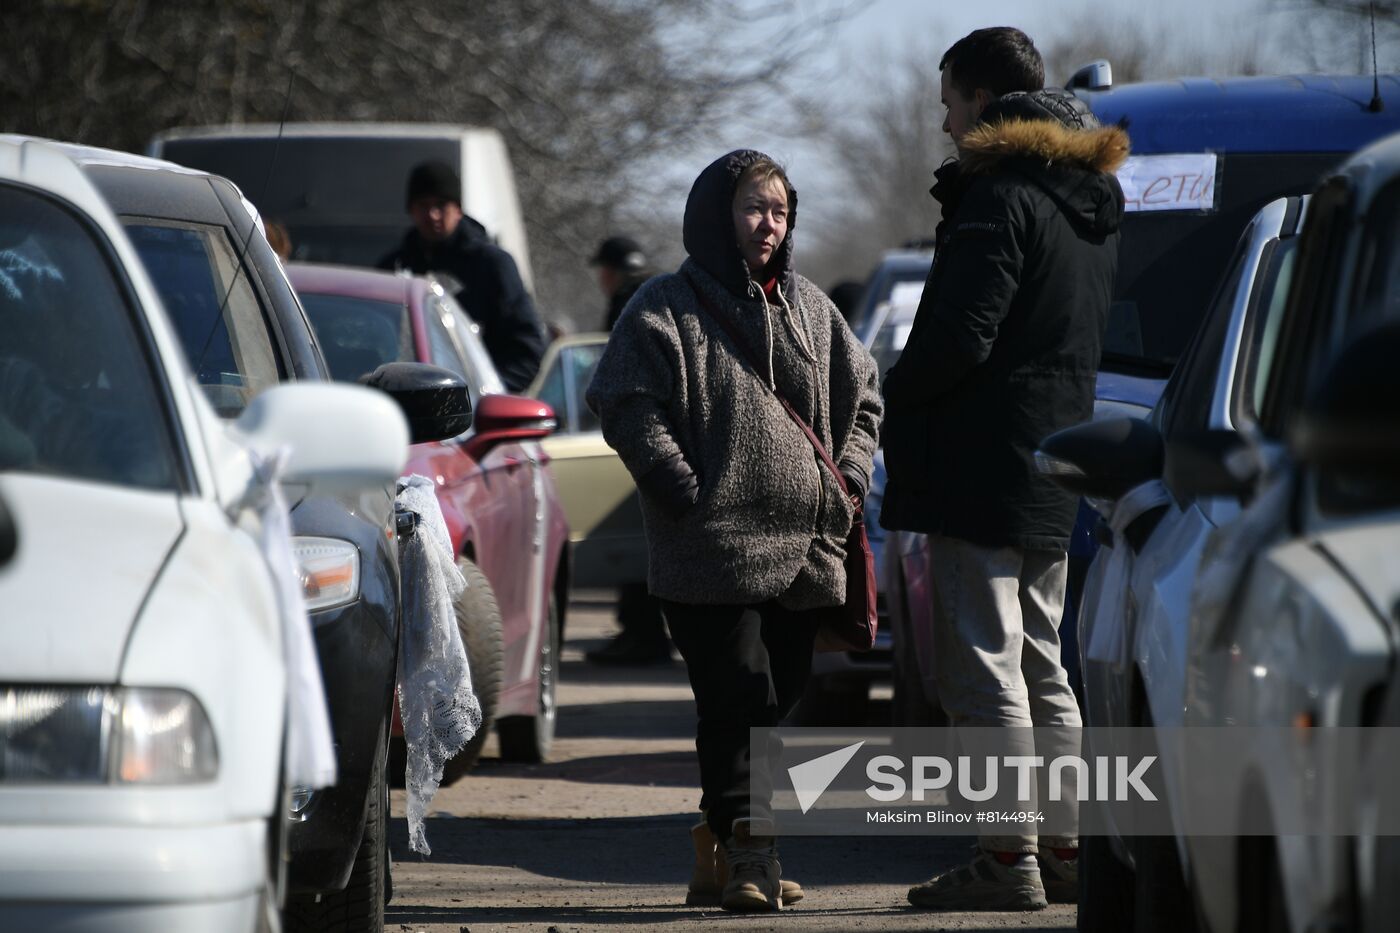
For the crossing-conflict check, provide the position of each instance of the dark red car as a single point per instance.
(496, 493)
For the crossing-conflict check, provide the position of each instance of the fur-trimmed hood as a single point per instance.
(1073, 166)
(1104, 149)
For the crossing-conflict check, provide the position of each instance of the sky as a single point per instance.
(884, 28)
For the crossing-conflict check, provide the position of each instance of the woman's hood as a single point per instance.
(709, 226)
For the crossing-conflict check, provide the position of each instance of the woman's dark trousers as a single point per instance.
(748, 666)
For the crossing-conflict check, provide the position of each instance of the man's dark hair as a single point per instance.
(1000, 59)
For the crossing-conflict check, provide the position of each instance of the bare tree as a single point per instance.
(585, 92)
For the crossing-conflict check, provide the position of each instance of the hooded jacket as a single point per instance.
(491, 292)
(1006, 342)
(737, 507)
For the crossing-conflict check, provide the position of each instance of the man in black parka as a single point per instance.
(444, 239)
(1004, 351)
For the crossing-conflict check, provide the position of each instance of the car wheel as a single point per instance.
(483, 635)
(529, 738)
(360, 907)
(1105, 888)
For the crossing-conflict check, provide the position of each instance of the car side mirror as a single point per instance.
(502, 418)
(9, 538)
(340, 436)
(1352, 423)
(1102, 459)
(435, 401)
(1212, 463)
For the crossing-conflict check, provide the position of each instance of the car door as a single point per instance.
(1307, 572)
(598, 495)
(498, 492)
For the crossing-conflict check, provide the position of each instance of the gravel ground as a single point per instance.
(598, 837)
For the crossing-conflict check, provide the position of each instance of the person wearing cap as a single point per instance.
(1004, 351)
(444, 239)
(622, 268)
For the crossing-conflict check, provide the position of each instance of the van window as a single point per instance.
(213, 307)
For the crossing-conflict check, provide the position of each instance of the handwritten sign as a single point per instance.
(1184, 182)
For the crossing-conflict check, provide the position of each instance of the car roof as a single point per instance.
(349, 128)
(1291, 113)
(95, 155)
(357, 282)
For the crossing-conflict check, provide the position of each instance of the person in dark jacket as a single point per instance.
(1003, 352)
(746, 528)
(622, 268)
(444, 239)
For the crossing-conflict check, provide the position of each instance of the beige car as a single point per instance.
(600, 499)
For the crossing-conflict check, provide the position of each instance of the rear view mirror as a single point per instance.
(502, 418)
(340, 436)
(1102, 459)
(1352, 424)
(434, 400)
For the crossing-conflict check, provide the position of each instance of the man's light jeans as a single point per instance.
(996, 643)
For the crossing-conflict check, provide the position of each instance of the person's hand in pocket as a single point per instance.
(672, 485)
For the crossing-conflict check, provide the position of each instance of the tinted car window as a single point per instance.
(78, 396)
(213, 307)
(1187, 398)
(358, 335)
(1378, 278)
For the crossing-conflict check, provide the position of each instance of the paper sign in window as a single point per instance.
(1183, 182)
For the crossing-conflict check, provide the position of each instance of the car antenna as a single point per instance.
(1376, 105)
(252, 226)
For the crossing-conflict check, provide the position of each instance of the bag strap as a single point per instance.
(744, 356)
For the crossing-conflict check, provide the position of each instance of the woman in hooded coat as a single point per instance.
(746, 527)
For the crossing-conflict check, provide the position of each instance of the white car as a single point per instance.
(143, 678)
(1134, 624)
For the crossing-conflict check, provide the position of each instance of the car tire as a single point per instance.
(1161, 899)
(360, 907)
(483, 636)
(530, 738)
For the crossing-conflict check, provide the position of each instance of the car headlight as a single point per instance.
(329, 570)
(122, 735)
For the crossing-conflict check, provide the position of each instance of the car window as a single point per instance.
(1263, 328)
(1186, 401)
(79, 397)
(583, 360)
(215, 311)
(553, 393)
(890, 339)
(358, 335)
(1308, 308)
(467, 335)
(1378, 277)
(441, 349)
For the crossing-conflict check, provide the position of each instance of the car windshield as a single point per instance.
(78, 395)
(1170, 262)
(216, 313)
(358, 335)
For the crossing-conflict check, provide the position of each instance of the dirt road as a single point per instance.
(599, 837)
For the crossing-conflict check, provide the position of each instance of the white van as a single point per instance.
(339, 188)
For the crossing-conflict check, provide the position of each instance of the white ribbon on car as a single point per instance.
(1106, 586)
(440, 712)
(309, 749)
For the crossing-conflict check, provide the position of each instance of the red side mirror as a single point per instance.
(502, 418)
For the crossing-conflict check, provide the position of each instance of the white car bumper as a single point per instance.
(78, 878)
